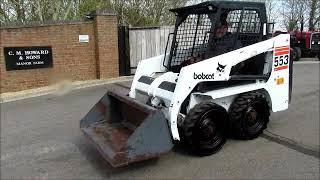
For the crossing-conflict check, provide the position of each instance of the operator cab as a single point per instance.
(213, 28)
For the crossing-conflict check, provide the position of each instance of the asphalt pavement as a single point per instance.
(40, 138)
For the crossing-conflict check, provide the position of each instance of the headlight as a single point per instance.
(312, 42)
(318, 42)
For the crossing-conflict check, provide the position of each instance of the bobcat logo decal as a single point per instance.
(220, 67)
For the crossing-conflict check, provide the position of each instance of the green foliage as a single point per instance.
(289, 13)
(146, 12)
(86, 6)
(292, 25)
(130, 12)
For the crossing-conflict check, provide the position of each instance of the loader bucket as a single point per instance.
(125, 130)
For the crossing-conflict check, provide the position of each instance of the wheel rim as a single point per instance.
(208, 131)
(254, 117)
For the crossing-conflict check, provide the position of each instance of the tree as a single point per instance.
(37, 10)
(146, 12)
(293, 13)
(271, 8)
(132, 12)
(314, 14)
(13, 8)
(300, 13)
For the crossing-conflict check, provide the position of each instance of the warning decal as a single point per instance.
(281, 58)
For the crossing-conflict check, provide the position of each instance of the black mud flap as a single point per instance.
(125, 130)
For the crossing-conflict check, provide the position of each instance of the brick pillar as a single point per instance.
(106, 37)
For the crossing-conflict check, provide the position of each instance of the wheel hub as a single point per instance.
(207, 129)
(252, 116)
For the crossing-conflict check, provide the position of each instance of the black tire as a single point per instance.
(204, 128)
(298, 50)
(248, 115)
(294, 54)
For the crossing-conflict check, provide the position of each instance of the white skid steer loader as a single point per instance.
(221, 77)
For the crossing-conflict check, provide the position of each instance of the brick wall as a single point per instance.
(71, 60)
(106, 32)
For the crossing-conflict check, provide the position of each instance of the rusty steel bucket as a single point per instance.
(125, 130)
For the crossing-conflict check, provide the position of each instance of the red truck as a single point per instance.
(303, 43)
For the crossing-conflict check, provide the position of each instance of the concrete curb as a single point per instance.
(58, 89)
(306, 62)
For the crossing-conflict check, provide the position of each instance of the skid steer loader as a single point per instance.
(220, 76)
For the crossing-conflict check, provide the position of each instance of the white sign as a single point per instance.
(83, 38)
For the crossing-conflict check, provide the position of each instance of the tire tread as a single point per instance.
(236, 112)
(190, 122)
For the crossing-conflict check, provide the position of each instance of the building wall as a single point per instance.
(72, 60)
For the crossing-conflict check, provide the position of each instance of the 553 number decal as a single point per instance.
(281, 58)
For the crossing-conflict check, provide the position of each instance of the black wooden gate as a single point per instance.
(124, 51)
